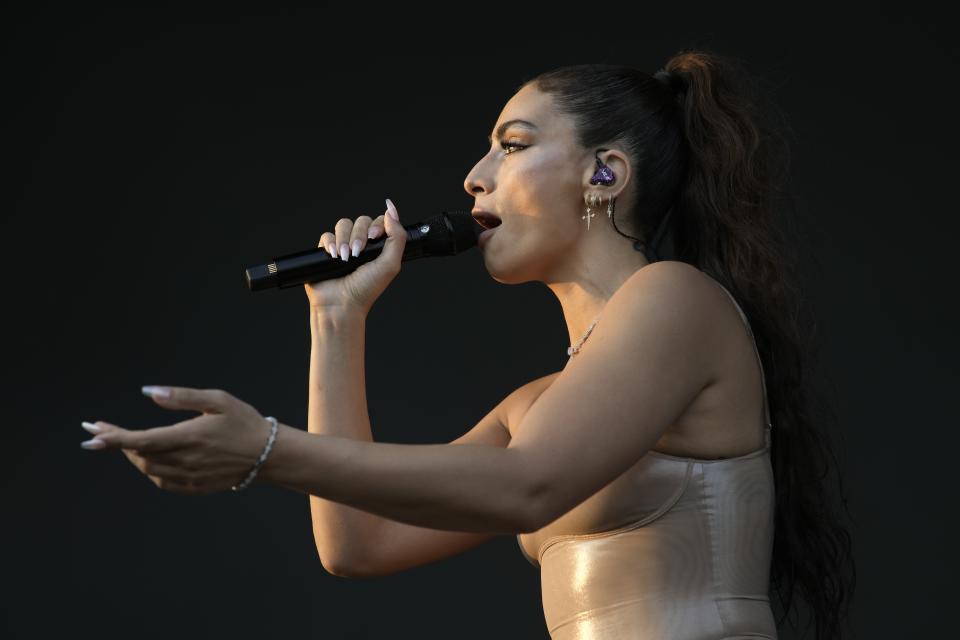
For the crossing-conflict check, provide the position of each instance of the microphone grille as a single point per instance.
(465, 229)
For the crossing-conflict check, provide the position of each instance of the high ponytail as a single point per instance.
(711, 189)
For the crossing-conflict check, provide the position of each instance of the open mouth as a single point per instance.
(487, 220)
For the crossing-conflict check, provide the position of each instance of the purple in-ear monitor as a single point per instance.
(604, 174)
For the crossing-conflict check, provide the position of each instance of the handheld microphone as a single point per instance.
(444, 235)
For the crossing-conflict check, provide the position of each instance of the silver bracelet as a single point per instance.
(263, 456)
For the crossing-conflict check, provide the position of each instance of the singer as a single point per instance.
(670, 477)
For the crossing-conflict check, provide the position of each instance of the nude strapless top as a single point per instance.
(674, 548)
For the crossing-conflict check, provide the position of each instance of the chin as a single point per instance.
(505, 275)
(511, 263)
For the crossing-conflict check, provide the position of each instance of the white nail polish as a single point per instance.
(92, 428)
(344, 252)
(356, 248)
(94, 443)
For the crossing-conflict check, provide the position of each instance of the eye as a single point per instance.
(513, 145)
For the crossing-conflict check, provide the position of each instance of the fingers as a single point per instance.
(186, 398)
(144, 440)
(358, 236)
(158, 471)
(342, 231)
(376, 228)
(350, 237)
(328, 241)
(171, 471)
(397, 237)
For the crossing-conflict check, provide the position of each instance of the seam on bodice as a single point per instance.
(593, 612)
(710, 524)
(746, 456)
(666, 506)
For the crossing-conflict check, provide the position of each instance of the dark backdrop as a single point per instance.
(152, 156)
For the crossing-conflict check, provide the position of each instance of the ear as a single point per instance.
(619, 163)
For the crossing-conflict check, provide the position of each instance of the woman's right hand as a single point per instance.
(359, 289)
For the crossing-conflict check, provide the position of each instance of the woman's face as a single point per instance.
(536, 188)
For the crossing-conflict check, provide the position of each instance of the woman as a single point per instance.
(663, 479)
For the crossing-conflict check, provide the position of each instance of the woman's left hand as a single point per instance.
(205, 454)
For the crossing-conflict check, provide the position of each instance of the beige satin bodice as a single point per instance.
(674, 548)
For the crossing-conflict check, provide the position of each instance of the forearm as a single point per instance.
(337, 406)
(454, 487)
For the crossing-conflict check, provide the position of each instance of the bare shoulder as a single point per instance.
(681, 286)
(720, 421)
(654, 284)
(670, 278)
(679, 294)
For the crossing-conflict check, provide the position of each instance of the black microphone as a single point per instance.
(444, 235)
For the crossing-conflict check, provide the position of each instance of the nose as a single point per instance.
(475, 182)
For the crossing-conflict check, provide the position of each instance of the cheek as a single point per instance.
(540, 185)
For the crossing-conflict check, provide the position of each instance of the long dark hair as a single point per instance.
(711, 159)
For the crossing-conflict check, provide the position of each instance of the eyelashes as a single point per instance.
(513, 145)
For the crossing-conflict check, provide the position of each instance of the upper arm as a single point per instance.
(644, 363)
(396, 546)
(491, 430)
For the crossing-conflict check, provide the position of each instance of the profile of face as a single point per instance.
(534, 178)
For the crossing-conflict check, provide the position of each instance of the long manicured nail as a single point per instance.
(344, 251)
(374, 233)
(94, 443)
(392, 210)
(355, 249)
(155, 392)
(92, 428)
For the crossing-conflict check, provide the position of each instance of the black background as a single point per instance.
(154, 155)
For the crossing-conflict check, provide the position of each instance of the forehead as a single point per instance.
(534, 106)
(528, 99)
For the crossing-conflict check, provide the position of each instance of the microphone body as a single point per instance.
(446, 234)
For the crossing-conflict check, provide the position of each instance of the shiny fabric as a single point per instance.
(674, 548)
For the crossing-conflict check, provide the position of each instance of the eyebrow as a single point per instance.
(503, 127)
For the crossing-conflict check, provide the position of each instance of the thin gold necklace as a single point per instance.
(573, 350)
